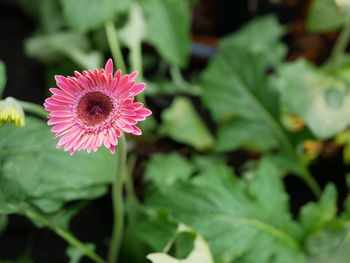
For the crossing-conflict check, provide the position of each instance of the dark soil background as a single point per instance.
(211, 20)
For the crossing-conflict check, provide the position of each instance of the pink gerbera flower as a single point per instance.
(94, 108)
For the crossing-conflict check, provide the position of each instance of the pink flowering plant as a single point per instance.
(185, 147)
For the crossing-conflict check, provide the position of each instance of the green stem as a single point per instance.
(136, 65)
(114, 46)
(118, 204)
(63, 234)
(33, 108)
(340, 46)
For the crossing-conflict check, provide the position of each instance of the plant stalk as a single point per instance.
(118, 203)
(33, 108)
(63, 234)
(114, 46)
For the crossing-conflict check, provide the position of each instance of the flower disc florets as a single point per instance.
(93, 108)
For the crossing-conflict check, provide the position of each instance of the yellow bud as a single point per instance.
(11, 111)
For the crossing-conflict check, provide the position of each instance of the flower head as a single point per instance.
(11, 111)
(93, 108)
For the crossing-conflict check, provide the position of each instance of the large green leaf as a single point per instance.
(331, 245)
(254, 41)
(83, 15)
(51, 47)
(322, 99)
(167, 169)
(244, 220)
(168, 25)
(314, 216)
(324, 15)
(2, 78)
(237, 89)
(34, 171)
(182, 123)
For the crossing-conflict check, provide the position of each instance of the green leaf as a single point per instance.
(168, 26)
(246, 220)
(34, 171)
(2, 78)
(329, 246)
(251, 38)
(314, 216)
(182, 123)
(83, 15)
(135, 30)
(322, 100)
(324, 16)
(240, 132)
(200, 253)
(237, 92)
(167, 169)
(50, 48)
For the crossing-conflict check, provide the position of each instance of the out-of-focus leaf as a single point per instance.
(168, 25)
(34, 171)
(241, 132)
(182, 123)
(135, 30)
(329, 246)
(200, 253)
(237, 217)
(314, 216)
(322, 100)
(2, 78)
(167, 169)
(51, 19)
(48, 48)
(133, 34)
(254, 41)
(75, 254)
(324, 16)
(235, 85)
(83, 15)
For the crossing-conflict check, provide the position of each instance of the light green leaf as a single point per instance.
(167, 169)
(168, 26)
(324, 16)
(240, 132)
(322, 100)
(332, 245)
(251, 38)
(132, 34)
(182, 123)
(314, 216)
(242, 220)
(2, 78)
(52, 47)
(83, 15)
(200, 253)
(135, 30)
(34, 171)
(237, 92)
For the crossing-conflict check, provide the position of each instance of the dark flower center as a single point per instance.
(94, 107)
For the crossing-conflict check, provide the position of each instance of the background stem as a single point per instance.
(114, 46)
(35, 216)
(33, 108)
(118, 204)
